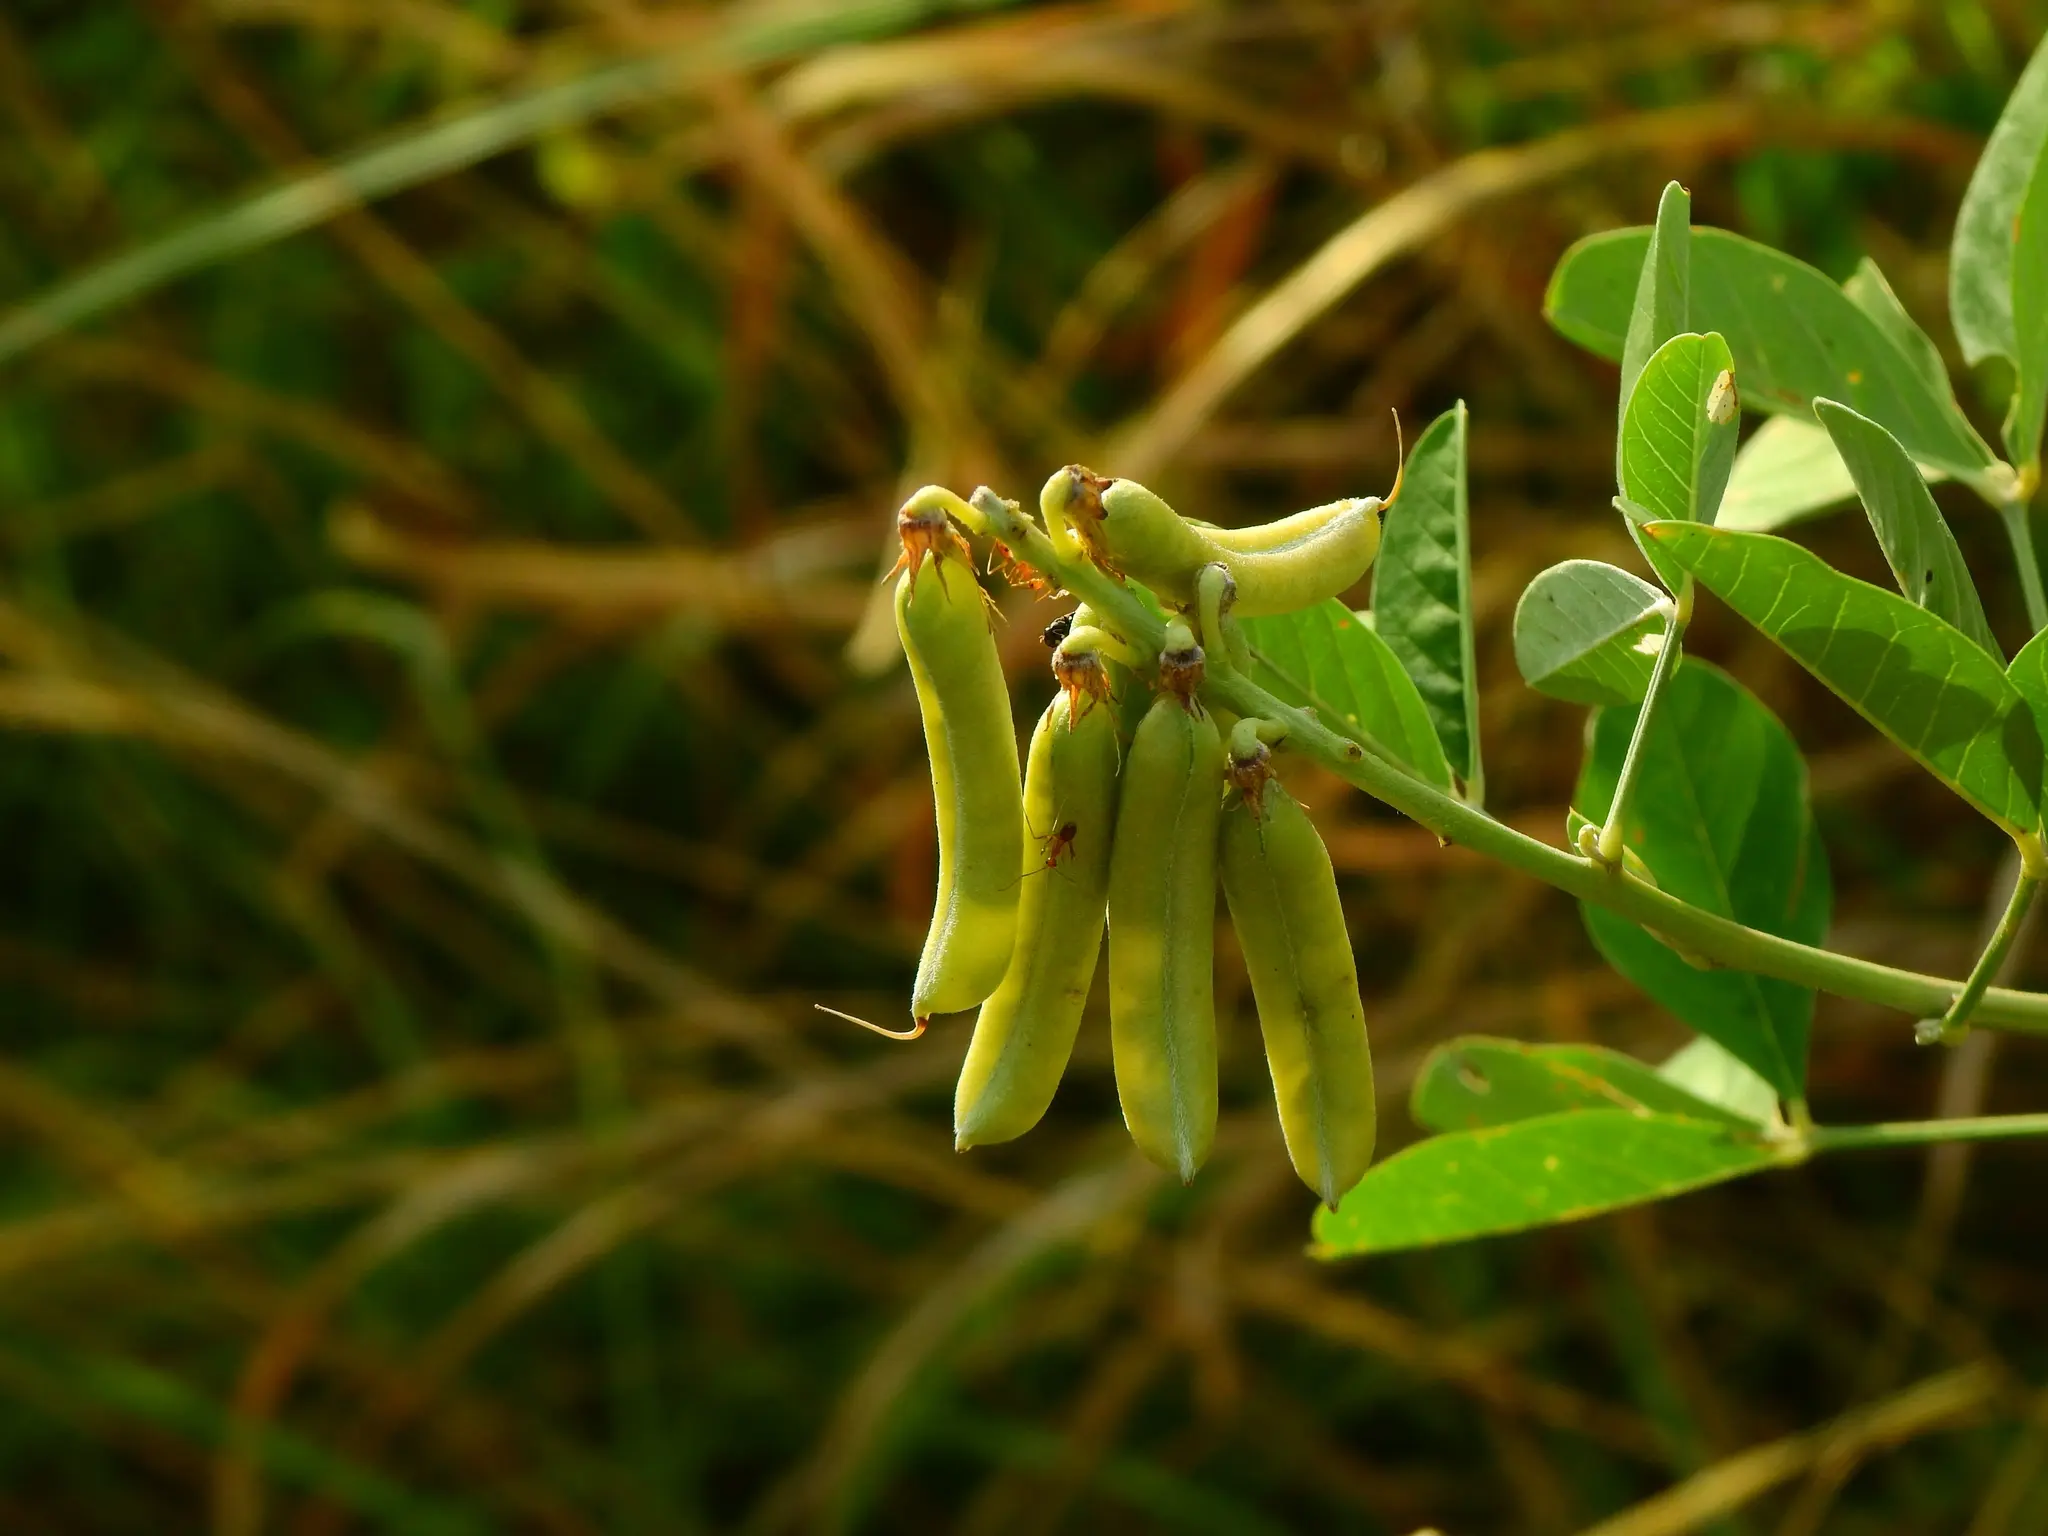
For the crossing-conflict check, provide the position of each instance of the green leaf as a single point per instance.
(2029, 676)
(1704, 1068)
(1592, 292)
(1678, 436)
(1720, 812)
(1916, 540)
(1422, 592)
(1328, 659)
(1870, 292)
(1660, 307)
(2030, 321)
(1787, 472)
(1917, 678)
(1474, 1082)
(1589, 633)
(1533, 1173)
(1794, 335)
(1980, 265)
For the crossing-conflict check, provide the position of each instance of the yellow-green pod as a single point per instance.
(1162, 935)
(943, 621)
(1277, 568)
(1150, 542)
(1283, 901)
(1281, 532)
(1026, 1029)
(1316, 564)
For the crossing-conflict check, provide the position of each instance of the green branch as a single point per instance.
(2019, 528)
(1704, 934)
(1608, 847)
(1920, 1133)
(1956, 1019)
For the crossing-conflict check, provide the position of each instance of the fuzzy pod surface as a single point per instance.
(1162, 935)
(1026, 1029)
(965, 704)
(1277, 567)
(1282, 893)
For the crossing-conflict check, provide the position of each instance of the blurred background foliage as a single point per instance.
(449, 747)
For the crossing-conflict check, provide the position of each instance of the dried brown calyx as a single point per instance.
(1019, 573)
(927, 533)
(1181, 667)
(1082, 675)
(1075, 494)
(1248, 769)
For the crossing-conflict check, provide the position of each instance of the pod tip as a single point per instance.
(917, 1025)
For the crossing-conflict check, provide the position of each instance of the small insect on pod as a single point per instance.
(943, 621)
(1026, 1030)
(1282, 892)
(1162, 924)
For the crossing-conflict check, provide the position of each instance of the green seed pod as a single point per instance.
(943, 622)
(1283, 901)
(1277, 567)
(1026, 1030)
(1282, 532)
(1162, 935)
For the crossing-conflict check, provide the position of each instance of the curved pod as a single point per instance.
(1283, 902)
(1277, 567)
(973, 747)
(1282, 531)
(1162, 936)
(1026, 1029)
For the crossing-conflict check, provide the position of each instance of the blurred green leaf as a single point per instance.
(1980, 266)
(1422, 592)
(1474, 1082)
(1869, 291)
(1592, 291)
(1533, 1173)
(2030, 320)
(1706, 1069)
(1328, 659)
(1720, 814)
(1787, 472)
(1583, 633)
(1917, 678)
(1660, 308)
(1794, 335)
(1916, 540)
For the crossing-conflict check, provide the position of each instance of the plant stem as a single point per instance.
(1712, 937)
(2019, 528)
(1609, 847)
(1956, 1017)
(1917, 1133)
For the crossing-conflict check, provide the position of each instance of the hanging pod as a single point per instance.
(1162, 921)
(943, 620)
(1282, 894)
(1026, 1029)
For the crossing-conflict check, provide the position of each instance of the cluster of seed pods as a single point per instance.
(1131, 830)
